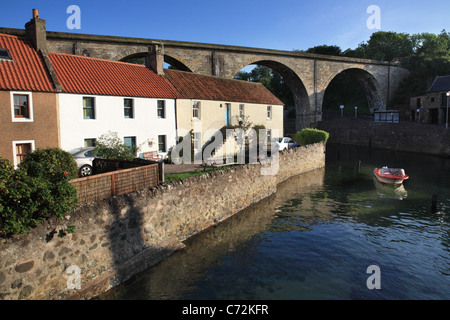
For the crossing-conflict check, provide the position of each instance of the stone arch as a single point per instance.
(177, 63)
(369, 83)
(303, 106)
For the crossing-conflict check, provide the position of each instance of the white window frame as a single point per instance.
(94, 107)
(124, 108)
(242, 111)
(14, 145)
(30, 106)
(269, 112)
(161, 103)
(165, 143)
(196, 141)
(197, 107)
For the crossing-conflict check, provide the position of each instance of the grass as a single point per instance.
(168, 177)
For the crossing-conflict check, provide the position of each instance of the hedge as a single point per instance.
(311, 136)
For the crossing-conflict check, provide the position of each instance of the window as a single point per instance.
(196, 109)
(161, 109)
(128, 108)
(21, 150)
(196, 141)
(269, 112)
(162, 143)
(21, 107)
(130, 142)
(88, 108)
(90, 142)
(4, 54)
(269, 135)
(241, 111)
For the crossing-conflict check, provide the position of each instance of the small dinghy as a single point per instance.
(392, 176)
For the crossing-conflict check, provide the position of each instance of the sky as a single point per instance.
(269, 24)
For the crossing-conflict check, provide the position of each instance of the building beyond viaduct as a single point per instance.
(307, 75)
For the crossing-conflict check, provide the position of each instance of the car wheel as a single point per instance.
(85, 170)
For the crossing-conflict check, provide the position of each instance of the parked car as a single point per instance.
(84, 158)
(285, 143)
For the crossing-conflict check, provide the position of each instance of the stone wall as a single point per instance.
(404, 136)
(119, 237)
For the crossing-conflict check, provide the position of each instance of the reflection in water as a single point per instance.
(390, 191)
(315, 238)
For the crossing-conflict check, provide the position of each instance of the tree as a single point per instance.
(271, 79)
(327, 50)
(110, 146)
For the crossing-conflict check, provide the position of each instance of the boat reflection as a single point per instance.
(390, 191)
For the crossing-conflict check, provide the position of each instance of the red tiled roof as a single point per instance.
(26, 70)
(195, 86)
(79, 74)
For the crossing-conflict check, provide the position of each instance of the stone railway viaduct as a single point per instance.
(307, 75)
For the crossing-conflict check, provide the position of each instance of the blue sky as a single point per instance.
(280, 24)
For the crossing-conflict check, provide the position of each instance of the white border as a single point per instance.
(30, 106)
(15, 143)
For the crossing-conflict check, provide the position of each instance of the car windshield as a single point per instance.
(75, 151)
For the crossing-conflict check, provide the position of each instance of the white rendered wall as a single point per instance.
(109, 116)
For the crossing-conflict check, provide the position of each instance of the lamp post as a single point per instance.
(356, 112)
(446, 114)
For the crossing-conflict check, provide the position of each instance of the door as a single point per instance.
(227, 113)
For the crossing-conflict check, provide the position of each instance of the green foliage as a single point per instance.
(310, 136)
(111, 147)
(58, 157)
(271, 79)
(325, 49)
(31, 195)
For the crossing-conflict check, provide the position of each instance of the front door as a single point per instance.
(227, 113)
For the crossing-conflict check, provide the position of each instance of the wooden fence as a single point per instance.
(106, 185)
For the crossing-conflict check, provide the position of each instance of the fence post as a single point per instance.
(113, 184)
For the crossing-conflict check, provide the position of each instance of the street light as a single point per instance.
(356, 112)
(446, 115)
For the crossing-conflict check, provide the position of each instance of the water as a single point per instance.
(318, 235)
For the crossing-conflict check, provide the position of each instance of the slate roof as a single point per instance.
(25, 71)
(86, 75)
(195, 86)
(440, 84)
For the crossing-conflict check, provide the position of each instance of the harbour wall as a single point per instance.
(403, 136)
(100, 245)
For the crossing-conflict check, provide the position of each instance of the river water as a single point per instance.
(333, 233)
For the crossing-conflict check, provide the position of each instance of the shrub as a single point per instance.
(310, 136)
(55, 156)
(111, 147)
(28, 196)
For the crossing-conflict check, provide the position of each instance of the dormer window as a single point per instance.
(4, 54)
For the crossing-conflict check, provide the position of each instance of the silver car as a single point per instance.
(84, 158)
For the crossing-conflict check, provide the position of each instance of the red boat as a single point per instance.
(390, 175)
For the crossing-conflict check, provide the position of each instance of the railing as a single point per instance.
(102, 186)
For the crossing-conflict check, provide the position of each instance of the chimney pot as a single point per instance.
(35, 13)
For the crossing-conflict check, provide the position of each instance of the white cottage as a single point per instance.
(101, 96)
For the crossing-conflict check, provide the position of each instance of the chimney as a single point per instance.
(36, 32)
(155, 58)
